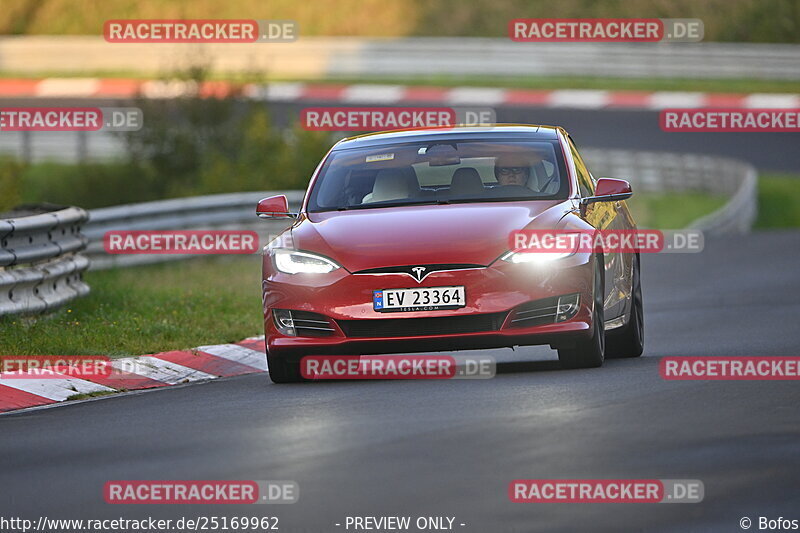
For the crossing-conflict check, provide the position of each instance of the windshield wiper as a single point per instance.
(443, 202)
(387, 204)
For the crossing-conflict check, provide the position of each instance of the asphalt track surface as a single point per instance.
(596, 128)
(450, 448)
(639, 130)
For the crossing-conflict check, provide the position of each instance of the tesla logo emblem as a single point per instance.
(418, 273)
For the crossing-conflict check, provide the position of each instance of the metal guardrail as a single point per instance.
(502, 57)
(739, 214)
(63, 146)
(219, 211)
(647, 171)
(320, 57)
(664, 172)
(40, 261)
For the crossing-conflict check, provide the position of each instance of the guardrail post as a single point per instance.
(25, 141)
(83, 148)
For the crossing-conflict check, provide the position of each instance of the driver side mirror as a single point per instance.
(274, 207)
(609, 190)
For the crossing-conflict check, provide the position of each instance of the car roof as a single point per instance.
(495, 132)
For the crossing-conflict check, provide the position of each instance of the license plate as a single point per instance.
(419, 299)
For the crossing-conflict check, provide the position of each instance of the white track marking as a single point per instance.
(581, 99)
(668, 99)
(373, 94)
(475, 96)
(782, 101)
(168, 89)
(159, 370)
(68, 87)
(274, 92)
(238, 354)
(56, 388)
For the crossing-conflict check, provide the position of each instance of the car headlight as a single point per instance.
(562, 243)
(534, 257)
(294, 262)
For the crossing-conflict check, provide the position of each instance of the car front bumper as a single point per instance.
(501, 290)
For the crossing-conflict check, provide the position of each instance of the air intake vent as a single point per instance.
(311, 324)
(545, 311)
(416, 327)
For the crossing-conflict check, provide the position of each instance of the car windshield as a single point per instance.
(454, 171)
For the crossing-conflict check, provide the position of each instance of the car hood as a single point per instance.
(419, 235)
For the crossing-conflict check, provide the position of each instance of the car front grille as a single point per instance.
(414, 327)
(406, 269)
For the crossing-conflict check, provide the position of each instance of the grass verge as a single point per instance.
(579, 82)
(86, 396)
(672, 210)
(778, 201)
(522, 82)
(155, 308)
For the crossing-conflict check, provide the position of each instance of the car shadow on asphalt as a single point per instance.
(513, 367)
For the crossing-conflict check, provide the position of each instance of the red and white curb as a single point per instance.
(390, 94)
(158, 370)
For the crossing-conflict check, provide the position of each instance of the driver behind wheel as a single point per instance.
(512, 169)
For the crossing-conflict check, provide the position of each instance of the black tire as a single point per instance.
(590, 352)
(282, 370)
(628, 341)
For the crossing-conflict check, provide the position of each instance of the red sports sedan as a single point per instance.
(402, 245)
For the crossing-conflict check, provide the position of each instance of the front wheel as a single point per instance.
(629, 340)
(590, 352)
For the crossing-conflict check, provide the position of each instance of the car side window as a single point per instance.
(585, 183)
